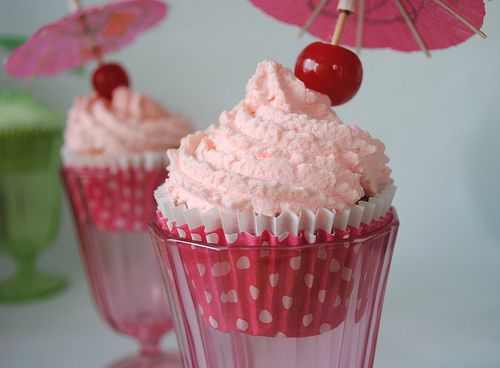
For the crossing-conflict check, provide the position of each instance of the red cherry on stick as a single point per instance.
(330, 69)
(107, 77)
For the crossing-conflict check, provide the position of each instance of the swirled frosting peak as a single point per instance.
(130, 123)
(281, 148)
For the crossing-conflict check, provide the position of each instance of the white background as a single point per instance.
(439, 119)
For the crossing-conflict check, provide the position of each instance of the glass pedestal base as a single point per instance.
(22, 287)
(162, 360)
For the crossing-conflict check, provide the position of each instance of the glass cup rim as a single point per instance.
(156, 230)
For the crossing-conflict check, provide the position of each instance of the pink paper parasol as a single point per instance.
(405, 25)
(85, 35)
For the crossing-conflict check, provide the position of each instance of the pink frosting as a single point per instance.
(282, 148)
(130, 123)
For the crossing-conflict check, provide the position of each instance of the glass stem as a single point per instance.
(150, 347)
(26, 267)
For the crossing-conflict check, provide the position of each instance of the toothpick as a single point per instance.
(339, 27)
(345, 8)
(74, 5)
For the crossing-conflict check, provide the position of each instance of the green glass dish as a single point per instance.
(30, 140)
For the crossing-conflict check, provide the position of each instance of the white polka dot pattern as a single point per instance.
(243, 263)
(241, 324)
(274, 278)
(265, 317)
(213, 322)
(242, 291)
(221, 269)
(115, 199)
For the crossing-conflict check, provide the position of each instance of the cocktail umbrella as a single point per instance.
(405, 25)
(83, 36)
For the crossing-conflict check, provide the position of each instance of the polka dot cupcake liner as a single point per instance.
(290, 283)
(115, 198)
(285, 290)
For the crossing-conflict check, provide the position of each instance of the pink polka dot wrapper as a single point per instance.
(297, 283)
(116, 197)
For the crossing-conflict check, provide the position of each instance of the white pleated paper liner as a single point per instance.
(279, 289)
(146, 160)
(232, 227)
(115, 193)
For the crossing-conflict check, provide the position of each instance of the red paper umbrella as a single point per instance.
(406, 25)
(85, 35)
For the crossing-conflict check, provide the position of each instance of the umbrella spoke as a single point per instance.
(460, 17)
(45, 58)
(412, 27)
(317, 10)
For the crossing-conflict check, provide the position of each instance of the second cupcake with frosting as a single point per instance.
(130, 124)
(114, 156)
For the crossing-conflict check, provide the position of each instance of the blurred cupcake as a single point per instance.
(117, 147)
(26, 122)
(279, 170)
(114, 156)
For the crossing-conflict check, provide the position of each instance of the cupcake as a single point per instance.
(117, 147)
(26, 122)
(280, 170)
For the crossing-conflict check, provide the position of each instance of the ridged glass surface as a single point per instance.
(29, 211)
(347, 341)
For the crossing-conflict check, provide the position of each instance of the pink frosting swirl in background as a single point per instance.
(130, 123)
(282, 148)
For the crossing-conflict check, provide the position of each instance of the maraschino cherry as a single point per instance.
(330, 69)
(107, 77)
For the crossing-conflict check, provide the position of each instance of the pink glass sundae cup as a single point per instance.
(113, 159)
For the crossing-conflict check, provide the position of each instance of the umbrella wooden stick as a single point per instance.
(412, 27)
(361, 22)
(87, 31)
(75, 5)
(345, 7)
(460, 17)
(339, 27)
(317, 10)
